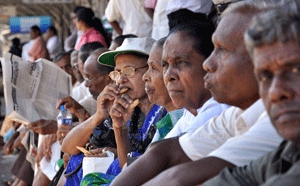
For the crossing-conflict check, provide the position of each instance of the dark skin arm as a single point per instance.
(191, 173)
(165, 154)
(79, 135)
(116, 27)
(82, 133)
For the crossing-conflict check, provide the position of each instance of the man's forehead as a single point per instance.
(90, 61)
(232, 27)
(277, 55)
(174, 51)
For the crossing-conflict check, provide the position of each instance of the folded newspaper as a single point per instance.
(31, 90)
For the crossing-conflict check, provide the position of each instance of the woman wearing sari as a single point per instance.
(158, 93)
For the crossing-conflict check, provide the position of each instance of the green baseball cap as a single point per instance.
(130, 45)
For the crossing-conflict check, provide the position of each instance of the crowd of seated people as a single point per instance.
(211, 101)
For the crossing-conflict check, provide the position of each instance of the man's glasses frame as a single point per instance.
(128, 72)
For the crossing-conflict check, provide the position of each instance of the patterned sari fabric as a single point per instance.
(97, 178)
(74, 162)
(140, 135)
(165, 125)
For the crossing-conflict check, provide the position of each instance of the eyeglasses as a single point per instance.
(128, 72)
(89, 80)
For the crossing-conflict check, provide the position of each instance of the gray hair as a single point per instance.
(276, 25)
(251, 6)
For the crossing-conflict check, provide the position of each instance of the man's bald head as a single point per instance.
(96, 74)
(92, 60)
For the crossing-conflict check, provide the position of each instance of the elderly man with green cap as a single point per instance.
(126, 102)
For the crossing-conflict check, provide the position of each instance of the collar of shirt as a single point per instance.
(291, 152)
(251, 114)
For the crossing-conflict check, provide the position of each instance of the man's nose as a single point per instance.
(279, 90)
(171, 74)
(210, 64)
(121, 79)
(146, 76)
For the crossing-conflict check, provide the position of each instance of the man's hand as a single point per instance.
(48, 142)
(40, 153)
(8, 147)
(73, 107)
(121, 110)
(105, 100)
(62, 132)
(43, 127)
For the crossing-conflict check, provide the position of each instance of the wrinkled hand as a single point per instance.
(8, 147)
(121, 112)
(66, 158)
(40, 153)
(99, 152)
(43, 126)
(105, 100)
(62, 132)
(48, 142)
(73, 107)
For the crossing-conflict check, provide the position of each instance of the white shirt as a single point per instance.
(137, 21)
(160, 26)
(188, 122)
(90, 104)
(53, 46)
(25, 50)
(232, 122)
(79, 34)
(80, 91)
(197, 6)
(260, 139)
